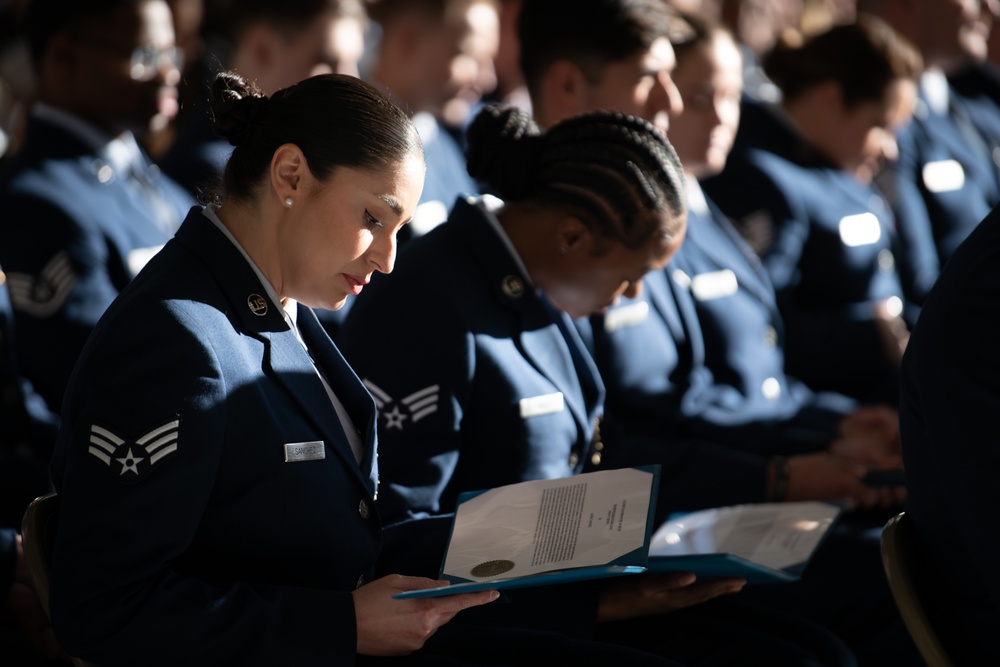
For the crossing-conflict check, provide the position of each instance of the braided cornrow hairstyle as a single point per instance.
(617, 173)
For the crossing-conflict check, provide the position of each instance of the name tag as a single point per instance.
(626, 316)
(682, 279)
(860, 229)
(304, 451)
(943, 176)
(140, 256)
(714, 285)
(542, 405)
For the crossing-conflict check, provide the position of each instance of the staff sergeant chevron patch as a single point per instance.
(128, 460)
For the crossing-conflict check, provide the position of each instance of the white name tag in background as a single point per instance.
(714, 285)
(626, 316)
(943, 176)
(542, 405)
(860, 229)
(304, 451)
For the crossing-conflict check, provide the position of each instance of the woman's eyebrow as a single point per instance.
(392, 203)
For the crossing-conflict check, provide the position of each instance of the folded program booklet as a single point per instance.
(763, 543)
(589, 526)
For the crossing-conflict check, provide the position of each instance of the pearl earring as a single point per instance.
(288, 201)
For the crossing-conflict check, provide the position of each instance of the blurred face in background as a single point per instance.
(862, 137)
(949, 30)
(458, 60)
(641, 86)
(121, 72)
(880, 146)
(709, 77)
(330, 44)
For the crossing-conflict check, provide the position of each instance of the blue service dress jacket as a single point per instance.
(75, 230)
(25, 418)
(945, 180)
(977, 87)
(950, 398)
(212, 509)
(479, 381)
(664, 405)
(742, 328)
(27, 430)
(827, 241)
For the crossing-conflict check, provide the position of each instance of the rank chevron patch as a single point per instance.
(131, 460)
(42, 295)
(413, 407)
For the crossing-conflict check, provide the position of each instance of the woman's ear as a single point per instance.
(572, 235)
(288, 171)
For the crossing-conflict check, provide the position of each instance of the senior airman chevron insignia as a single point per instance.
(131, 460)
(413, 407)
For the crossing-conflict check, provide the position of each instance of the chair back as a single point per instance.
(38, 534)
(901, 559)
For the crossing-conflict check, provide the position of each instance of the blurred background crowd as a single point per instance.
(837, 152)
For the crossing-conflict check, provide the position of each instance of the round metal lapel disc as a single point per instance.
(258, 305)
(513, 287)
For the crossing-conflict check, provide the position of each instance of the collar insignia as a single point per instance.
(512, 286)
(257, 304)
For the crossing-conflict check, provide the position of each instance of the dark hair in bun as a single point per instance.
(236, 103)
(336, 121)
(617, 173)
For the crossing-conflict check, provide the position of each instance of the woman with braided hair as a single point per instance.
(492, 386)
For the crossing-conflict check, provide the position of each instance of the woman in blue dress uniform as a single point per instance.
(491, 386)
(216, 463)
(826, 238)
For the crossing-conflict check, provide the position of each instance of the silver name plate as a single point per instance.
(304, 451)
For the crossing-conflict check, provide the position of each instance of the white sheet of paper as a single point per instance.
(776, 535)
(546, 525)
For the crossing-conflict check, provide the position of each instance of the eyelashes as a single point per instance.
(372, 221)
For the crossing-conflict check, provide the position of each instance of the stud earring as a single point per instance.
(288, 201)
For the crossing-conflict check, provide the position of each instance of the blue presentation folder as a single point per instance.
(707, 566)
(634, 562)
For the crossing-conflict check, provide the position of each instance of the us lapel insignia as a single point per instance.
(258, 305)
(130, 460)
(408, 410)
(512, 286)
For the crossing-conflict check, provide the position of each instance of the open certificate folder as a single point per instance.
(765, 542)
(588, 526)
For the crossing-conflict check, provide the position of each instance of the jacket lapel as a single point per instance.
(255, 315)
(539, 334)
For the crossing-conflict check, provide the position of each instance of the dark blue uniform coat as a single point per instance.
(827, 243)
(945, 180)
(189, 532)
(72, 235)
(950, 398)
(479, 382)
